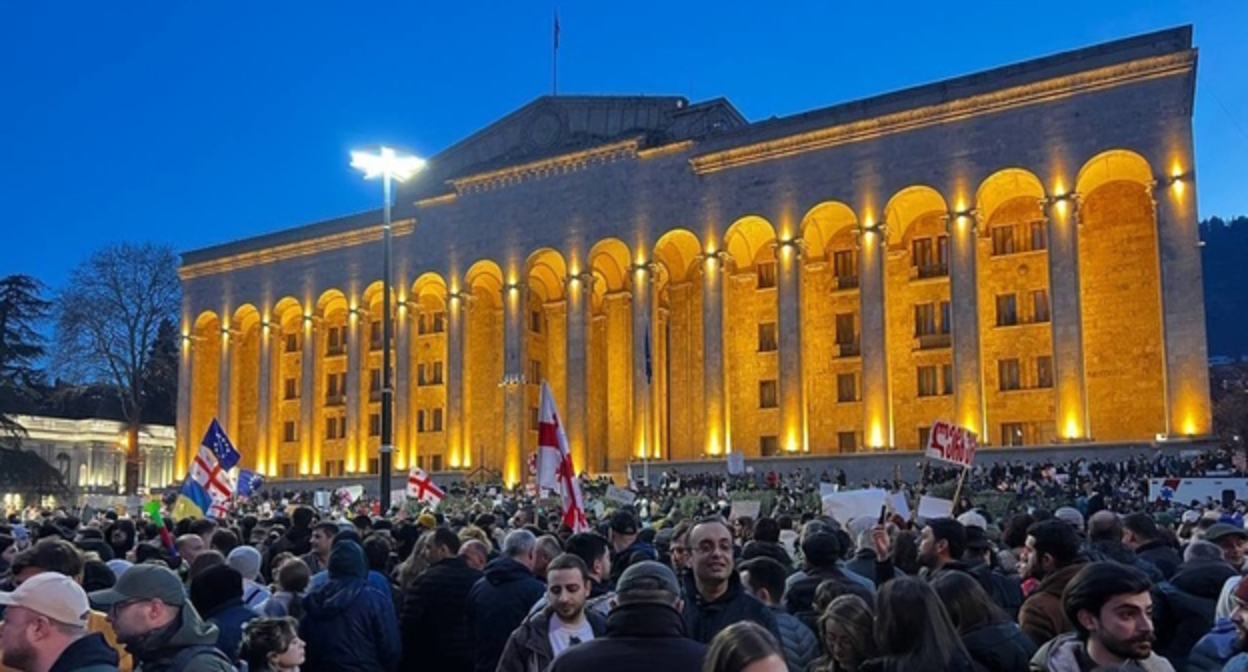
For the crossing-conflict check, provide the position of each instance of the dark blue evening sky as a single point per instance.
(202, 122)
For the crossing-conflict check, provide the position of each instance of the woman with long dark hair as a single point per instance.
(846, 630)
(988, 634)
(272, 645)
(913, 631)
(744, 647)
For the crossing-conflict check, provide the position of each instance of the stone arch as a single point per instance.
(909, 207)
(428, 297)
(483, 366)
(1004, 186)
(547, 274)
(484, 280)
(1120, 293)
(749, 240)
(679, 252)
(825, 222)
(609, 261)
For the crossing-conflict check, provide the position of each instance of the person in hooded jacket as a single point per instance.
(217, 594)
(500, 600)
(349, 624)
(993, 640)
(1141, 534)
(561, 626)
(714, 597)
(1184, 606)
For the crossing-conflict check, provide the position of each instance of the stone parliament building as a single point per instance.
(1015, 250)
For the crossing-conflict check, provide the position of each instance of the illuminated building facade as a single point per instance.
(90, 454)
(1015, 250)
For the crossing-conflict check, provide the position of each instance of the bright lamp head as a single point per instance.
(399, 167)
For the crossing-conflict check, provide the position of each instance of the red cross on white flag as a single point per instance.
(206, 471)
(554, 463)
(422, 488)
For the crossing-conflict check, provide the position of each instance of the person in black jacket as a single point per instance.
(349, 623)
(645, 630)
(993, 640)
(1184, 607)
(820, 552)
(499, 600)
(1005, 590)
(714, 597)
(435, 627)
(1141, 534)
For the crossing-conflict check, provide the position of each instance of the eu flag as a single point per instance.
(249, 482)
(216, 441)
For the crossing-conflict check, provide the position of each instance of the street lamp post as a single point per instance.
(388, 165)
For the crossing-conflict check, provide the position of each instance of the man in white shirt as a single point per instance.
(564, 623)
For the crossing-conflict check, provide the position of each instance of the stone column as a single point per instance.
(877, 407)
(454, 379)
(357, 434)
(513, 381)
(642, 329)
(264, 384)
(309, 446)
(1066, 318)
(184, 439)
(1183, 309)
(580, 293)
(223, 381)
(789, 297)
(714, 270)
(968, 383)
(405, 449)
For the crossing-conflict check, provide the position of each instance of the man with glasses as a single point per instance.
(149, 609)
(714, 597)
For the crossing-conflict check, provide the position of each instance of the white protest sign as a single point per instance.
(620, 495)
(931, 508)
(745, 508)
(320, 499)
(951, 443)
(828, 488)
(849, 504)
(736, 463)
(900, 504)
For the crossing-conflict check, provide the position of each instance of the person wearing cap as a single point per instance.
(644, 631)
(1227, 640)
(217, 594)
(153, 617)
(1051, 557)
(434, 624)
(1004, 589)
(246, 561)
(1071, 516)
(626, 548)
(58, 555)
(1141, 534)
(1232, 541)
(715, 597)
(45, 628)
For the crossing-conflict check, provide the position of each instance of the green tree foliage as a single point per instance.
(160, 377)
(22, 308)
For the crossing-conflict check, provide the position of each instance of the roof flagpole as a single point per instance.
(554, 59)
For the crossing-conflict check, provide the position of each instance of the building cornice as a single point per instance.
(992, 102)
(551, 167)
(294, 250)
(42, 428)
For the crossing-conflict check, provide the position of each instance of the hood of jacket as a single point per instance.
(85, 651)
(188, 629)
(502, 571)
(1111, 550)
(348, 574)
(645, 620)
(346, 560)
(1066, 653)
(1202, 578)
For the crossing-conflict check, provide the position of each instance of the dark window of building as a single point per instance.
(535, 371)
(374, 424)
(768, 396)
(289, 432)
(925, 437)
(1003, 240)
(1007, 310)
(435, 373)
(767, 337)
(846, 442)
(846, 334)
(292, 342)
(924, 319)
(439, 322)
(288, 470)
(374, 380)
(291, 390)
(420, 421)
(845, 267)
(535, 321)
(1011, 433)
(929, 384)
(1039, 236)
(331, 428)
(766, 274)
(846, 387)
(1044, 371)
(1040, 305)
(437, 420)
(768, 446)
(946, 317)
(374, 335)
(374, 465)
(535, 416)
(336, 341)
(946, 379)
(1007, 372)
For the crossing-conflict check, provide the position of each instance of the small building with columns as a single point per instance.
(1014, 250)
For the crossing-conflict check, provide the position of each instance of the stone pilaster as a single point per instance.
(264, 392)
(184, 439)
(309, 444)
(405, 446)
(357, 433)
(643, 325)
(580, 293)
(876, 396)
(718, 436)
(1066, 318)
(792, 392)
(513, 380)
(223, 381)
(454, 378)
(968, 385)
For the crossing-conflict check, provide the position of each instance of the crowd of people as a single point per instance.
(492, 582)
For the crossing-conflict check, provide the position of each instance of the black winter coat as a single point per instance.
(1006, 591)
(648, 637)
(1000, 648)
(703, 620)
(349, 624)
(1184, 607)
(1162, 555)
(498, 604)
(437, 634)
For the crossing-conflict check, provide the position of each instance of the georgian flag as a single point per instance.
(554, 463)
(420, 487)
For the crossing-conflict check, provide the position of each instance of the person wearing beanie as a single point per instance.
(217, 594)
(349, 624)
(246, 561)
(96, 575)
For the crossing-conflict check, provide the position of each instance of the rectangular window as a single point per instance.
(374, 380)
(374, 424)
(421, 377)
(946, 317)
(928, 381)
(435, 463)
(942, 254)
(435, 373)
(768, 446)
(1011, 433)
(846, 442)
(289, 432)
(768, 396)
(921, 252)
(422, 323)
(331, 428)
(291, 390)
(335, 387)
(766, 274)
(925, 437)
(292, 342)
(845, 267)
(335, 340)
(1039, 236)
(439, 322)
(946, 376)
(1040, 305)
(1007, 375)
(767, 337)
(535, 321)
(374, 335)
(534, 419)
(535, 371)
(1002, 240)
(846, 387)
(1007, 310)
(420, 421)
(437, 420)
(288, 470)
(924, 319)
(374, 465)
(1044, 371)
(845, 332)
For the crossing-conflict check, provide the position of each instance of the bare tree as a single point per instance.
(108, 316)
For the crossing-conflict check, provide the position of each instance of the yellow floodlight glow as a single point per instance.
(1072, 427)
(400, 167)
